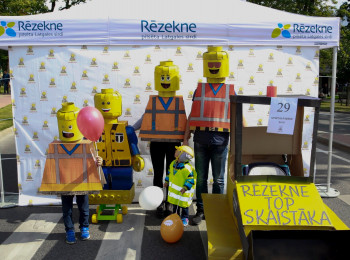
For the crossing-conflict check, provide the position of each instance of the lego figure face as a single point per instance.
(109, 103)
(215, 63)
(166, 77)
(67, 123)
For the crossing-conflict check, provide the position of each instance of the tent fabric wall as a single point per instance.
(45, 76)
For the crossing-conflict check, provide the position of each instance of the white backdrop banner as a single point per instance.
(45, 76)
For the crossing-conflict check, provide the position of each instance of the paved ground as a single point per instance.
(5, 100)
(341, 131)
(38, 232)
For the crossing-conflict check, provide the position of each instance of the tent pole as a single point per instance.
(329, 192)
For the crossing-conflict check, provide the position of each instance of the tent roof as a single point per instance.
(180, 22)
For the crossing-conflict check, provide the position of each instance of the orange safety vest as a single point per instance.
(70, 169)
(211, 107)
(164, 119)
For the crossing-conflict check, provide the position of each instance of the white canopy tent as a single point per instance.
(156, 22)
(171, 23)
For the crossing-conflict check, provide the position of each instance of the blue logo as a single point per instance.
(7, 28)
(281, 29)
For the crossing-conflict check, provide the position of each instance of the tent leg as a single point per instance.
(327, 191)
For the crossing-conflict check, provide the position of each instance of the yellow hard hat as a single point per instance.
(186, 149)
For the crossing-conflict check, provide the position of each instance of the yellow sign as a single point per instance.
(280, 204)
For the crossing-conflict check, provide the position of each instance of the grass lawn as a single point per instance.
(1, 89)
(326, 104)
(5, 113)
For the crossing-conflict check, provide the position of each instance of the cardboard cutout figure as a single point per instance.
(70, 166)
(118, 143)
(118, 148)
(211, 103)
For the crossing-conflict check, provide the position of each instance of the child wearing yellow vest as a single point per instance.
(181, 179)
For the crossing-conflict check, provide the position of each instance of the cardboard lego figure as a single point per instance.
(70, 166)
(120, 155)
(211, 103)
(118, 143)
(165, 116)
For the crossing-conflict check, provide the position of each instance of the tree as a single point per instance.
(304, 7)
(22, 7)
(68, 4)
(344, 50)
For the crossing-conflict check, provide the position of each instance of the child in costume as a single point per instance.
(71, 170)
(181, 180)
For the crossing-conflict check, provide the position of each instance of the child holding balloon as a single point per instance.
(70, 168)
(181, 180)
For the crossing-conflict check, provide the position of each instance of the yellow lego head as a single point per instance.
(166, 77)
(109, 103)
(215, 63)
(67, 123)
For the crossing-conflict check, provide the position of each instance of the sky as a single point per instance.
(340, 3)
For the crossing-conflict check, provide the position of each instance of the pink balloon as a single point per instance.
(90, 123)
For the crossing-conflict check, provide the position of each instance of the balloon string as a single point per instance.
(96, 148)
(98, 167)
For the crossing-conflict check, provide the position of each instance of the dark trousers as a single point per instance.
(159, 151)
(217, 155)
(184, 211)
(67, 209)
(6, 89)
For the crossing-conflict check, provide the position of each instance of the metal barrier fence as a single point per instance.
(4, 204)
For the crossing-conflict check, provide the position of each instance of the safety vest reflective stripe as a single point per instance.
(163, 132)
(178, 188)
(113, 145)
(202, 99)
(174, 195)
(179, 197)
(56, 156)
(164, 120)
(211, 107)
(189, 168)
(176, 111)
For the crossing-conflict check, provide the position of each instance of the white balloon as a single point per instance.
(151, 197)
